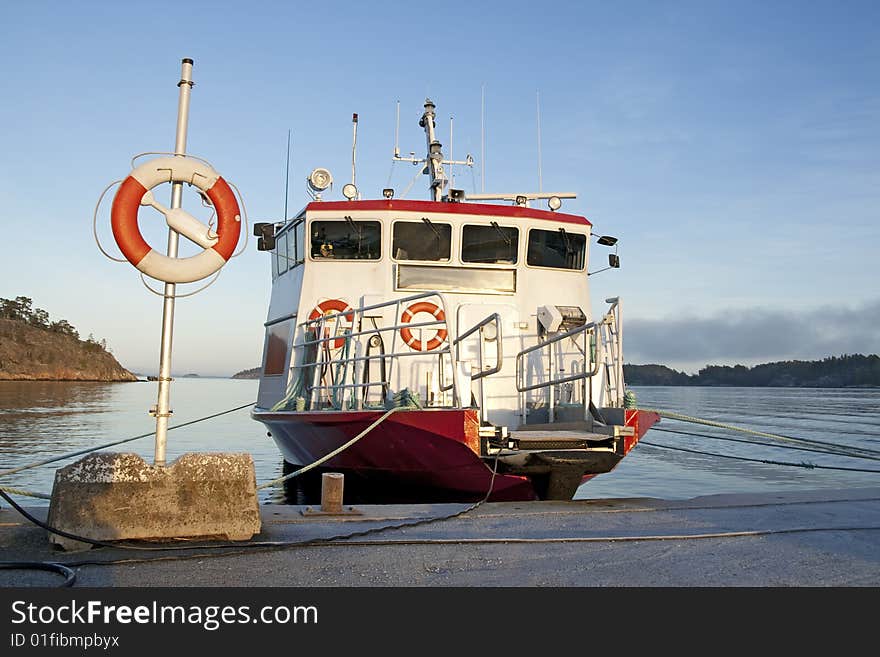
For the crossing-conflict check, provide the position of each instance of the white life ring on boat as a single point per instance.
(332, 307)
(133, 192)
(406, 332)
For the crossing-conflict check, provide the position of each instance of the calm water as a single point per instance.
(42, 419)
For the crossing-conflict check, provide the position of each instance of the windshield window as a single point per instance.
(556, 248)
(490, 244)
(421, 240)
(346, 239)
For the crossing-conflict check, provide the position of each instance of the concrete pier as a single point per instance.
(814, 538)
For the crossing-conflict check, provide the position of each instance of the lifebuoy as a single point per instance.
(133, 192)
(406, 333)
(332, 307)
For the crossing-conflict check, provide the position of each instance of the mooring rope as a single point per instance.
(25, 493)
(867, 453)
(808, 466)
(336, 451)
(70, 455)
(744, 441)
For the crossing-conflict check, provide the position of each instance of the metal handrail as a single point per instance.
(499, 355)
(550, 341)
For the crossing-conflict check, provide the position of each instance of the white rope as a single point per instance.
(336, 451)
(763, 434)
(25, 493)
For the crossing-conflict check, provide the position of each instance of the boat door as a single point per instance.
(496, 393)
(273, 382)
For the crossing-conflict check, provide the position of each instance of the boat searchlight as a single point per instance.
(554, 203)
(388, 193)
(319, 180)
(350, 191)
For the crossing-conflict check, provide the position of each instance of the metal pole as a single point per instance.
(354, 139)
(163, 406)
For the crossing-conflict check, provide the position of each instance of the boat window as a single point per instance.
(421, 240)
(492, 244)
(482, 280)
(346, 240)
(299, 231)
(275, 261)
(281, 253)
(559, 249)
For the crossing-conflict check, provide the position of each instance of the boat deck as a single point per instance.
(813, 538)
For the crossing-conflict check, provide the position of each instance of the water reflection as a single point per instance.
(43, 419)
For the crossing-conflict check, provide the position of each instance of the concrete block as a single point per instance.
(113, 496)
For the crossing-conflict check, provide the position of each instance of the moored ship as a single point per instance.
(444, 346)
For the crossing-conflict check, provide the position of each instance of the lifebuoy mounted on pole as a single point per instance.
(406, 333)
(135, 191)
(333, 307)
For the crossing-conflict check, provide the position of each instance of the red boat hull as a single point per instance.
(430, 449)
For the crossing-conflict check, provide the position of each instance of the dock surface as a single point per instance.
(813, 538)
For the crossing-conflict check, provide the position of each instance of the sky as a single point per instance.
(732, 147)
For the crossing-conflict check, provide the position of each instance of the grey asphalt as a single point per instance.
(814, 538)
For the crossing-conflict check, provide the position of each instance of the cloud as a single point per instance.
(755, 335)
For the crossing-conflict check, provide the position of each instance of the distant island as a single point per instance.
(33, 348)
(253, 373)
(847, 371)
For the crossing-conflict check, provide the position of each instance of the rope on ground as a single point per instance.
(869, 453)
(225, 549)
(60, 569)
(336, 451)
(116, 442)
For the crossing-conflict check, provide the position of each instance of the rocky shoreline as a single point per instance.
(29, 353)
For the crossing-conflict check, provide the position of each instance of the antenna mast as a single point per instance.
(354, 138)
(451, 174)
(397, 133)
(538, 119)
(432, 165)
(482, 138)
(287, 175)
(435, 155)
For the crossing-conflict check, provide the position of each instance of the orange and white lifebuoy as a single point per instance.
(406, 332)
(134, 192)
(333, 307)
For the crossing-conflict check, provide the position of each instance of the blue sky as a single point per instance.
(733, 147)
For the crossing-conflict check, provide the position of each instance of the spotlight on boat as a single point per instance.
(521, 201)
(554, 203)
(388, 193)
(350, 191)
(320, 179)
(607, 240)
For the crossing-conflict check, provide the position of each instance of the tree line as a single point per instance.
(847, 370)
(21, 309)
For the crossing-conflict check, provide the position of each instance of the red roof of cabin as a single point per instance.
(517, 211)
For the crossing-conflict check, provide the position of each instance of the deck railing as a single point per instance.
(599, 344)
(331, 376)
